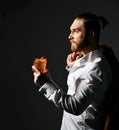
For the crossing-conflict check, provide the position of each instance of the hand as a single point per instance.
(71, 58)
(40, 64)
(40, 78)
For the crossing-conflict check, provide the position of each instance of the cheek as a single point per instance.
(79, 37)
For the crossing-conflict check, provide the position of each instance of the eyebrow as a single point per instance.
(75, 29)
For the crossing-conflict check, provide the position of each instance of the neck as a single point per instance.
(90, 48)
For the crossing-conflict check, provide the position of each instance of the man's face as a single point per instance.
(77, 35)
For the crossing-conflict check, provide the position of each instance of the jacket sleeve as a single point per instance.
(86, 90)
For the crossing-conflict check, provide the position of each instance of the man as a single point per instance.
(90, 76)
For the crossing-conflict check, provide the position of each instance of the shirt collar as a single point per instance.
(90, 57)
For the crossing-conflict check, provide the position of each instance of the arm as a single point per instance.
(75, 104)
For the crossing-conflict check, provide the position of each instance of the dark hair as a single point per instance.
(94, 22)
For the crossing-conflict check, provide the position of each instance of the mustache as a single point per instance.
(72, 41)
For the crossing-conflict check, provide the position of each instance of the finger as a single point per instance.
(36, 76)
(69, 58)
(35, 79)
(35, 69)
(77, 57)
(73, 55)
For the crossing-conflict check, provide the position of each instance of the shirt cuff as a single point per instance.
(48, 88)
(68, 68)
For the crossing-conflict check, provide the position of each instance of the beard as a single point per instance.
(75, 47)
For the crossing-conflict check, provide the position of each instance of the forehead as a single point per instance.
(77, 23)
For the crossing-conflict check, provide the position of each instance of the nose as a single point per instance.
(70, 36)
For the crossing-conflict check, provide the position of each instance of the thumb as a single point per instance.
(35, 69)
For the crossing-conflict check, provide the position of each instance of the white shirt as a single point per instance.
(88, 80)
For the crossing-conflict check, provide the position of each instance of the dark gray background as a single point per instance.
(33, 28)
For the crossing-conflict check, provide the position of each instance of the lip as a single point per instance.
(73, 42)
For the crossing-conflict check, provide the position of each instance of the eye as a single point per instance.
(77, 30)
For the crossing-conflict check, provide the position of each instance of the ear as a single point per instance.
(91, 34)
